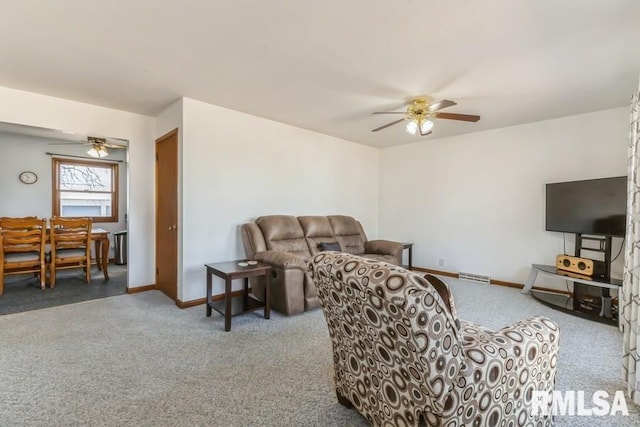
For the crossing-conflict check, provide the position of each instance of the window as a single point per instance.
(85, 188)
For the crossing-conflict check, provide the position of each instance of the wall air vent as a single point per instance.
(474, 278)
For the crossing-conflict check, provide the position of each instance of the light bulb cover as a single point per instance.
(412, 127)
(98, 151)
(426, 126)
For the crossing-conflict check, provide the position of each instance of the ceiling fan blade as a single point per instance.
(389, 112)
(387, 125)
(65, 143)
(117, 141)
(441, 104)
(113, 145)
(454, 116)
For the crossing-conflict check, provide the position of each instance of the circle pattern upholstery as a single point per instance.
(400, 356)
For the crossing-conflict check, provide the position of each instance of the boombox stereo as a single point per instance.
(585, 266)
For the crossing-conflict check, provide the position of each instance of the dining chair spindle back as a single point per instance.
(70, 246)
(22, 248)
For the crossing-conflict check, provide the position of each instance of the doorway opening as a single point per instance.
(67, 176)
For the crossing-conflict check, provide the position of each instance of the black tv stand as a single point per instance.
(604, 247)
(591, 296)
(598, 309)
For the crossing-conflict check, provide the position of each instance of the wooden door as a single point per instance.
(167, 214)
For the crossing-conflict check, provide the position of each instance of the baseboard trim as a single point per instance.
(507, 284)
(190, 303)
(200, 301)
(493, 281)
(142, 289)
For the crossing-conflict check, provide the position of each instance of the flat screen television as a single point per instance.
(594, 206)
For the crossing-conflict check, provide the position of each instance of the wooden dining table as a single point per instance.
(100, 237)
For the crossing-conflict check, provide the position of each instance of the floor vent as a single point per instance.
(474, 278)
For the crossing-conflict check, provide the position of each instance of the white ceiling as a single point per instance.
(55, 134)
(326, 65)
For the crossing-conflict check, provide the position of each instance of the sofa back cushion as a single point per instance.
(317, 230)
(388, 323)
(349, 233)
(283, 233)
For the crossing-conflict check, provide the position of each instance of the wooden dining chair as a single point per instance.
(22, 243)
(70, 240)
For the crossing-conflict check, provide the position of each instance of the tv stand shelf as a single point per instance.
(599, 311)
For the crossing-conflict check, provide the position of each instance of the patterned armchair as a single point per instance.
(402, 357)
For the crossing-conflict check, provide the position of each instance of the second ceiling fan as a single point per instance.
(98, 146)
(419, 112)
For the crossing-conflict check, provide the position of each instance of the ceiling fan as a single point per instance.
(98, 146)
(419, 113)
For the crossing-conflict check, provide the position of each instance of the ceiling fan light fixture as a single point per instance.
(426, 126)
(412, 127)
(98, 151)
(418, 113)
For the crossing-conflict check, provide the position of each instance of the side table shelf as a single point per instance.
(408, 246)
(232, 305)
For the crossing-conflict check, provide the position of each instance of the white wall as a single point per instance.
(20, 153)
(55, 113)
(236, 167)
(169, 119)
(476, 201)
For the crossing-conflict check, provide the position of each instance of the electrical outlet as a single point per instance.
(441, 262)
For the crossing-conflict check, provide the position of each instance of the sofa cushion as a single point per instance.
(283, 233)
(317, 229)
(349, 233)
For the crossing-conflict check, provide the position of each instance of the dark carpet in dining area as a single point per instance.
(23, 293)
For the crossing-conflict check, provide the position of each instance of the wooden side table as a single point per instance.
(410, 247)
(229, 271)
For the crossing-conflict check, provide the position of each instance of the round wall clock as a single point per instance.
(28, 177)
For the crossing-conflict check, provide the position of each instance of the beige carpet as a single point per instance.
(139, 360)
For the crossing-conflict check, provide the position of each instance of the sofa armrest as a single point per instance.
(540, 332)
(384, 247)
(506, 372)
(252, 239)
(521, 358)
(283, 260)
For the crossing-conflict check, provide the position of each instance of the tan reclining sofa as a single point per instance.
(287, 242)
